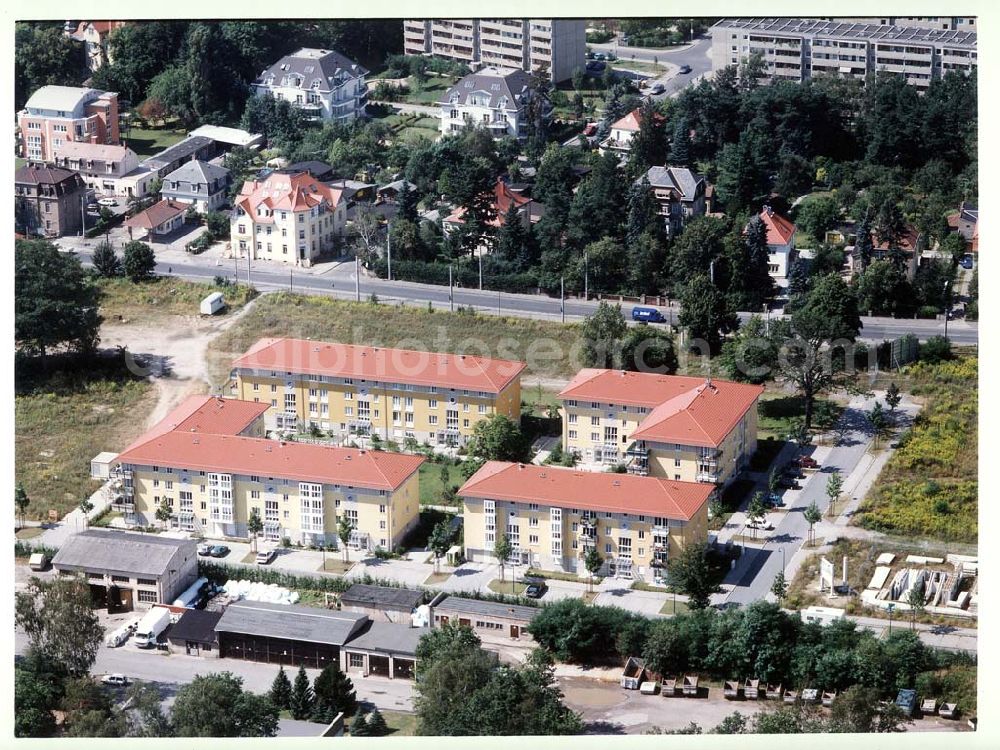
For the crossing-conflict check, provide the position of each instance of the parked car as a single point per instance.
(118, 680)
(967, 261)
(205, 550)
(808, 462)
(907, 701)
(788, 483)
(266, 556)
(774, 500)
(109, 202)
(657, 88)
(536, 590)
(595, 66)
(219, 550)
(600, 56)
(92, 207)
(684, 69)
(590, 130)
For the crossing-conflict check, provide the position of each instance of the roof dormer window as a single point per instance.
(317, 82)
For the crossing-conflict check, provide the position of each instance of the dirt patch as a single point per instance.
(173, 354)
(590, 694)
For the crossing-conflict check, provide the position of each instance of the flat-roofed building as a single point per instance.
(557, 46)
(551, 516)
(208, 462)
(55, 115)
(358, 391)
(684, 428)
(128, 571)
(798, 49)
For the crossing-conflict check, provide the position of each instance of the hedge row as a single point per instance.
(25, 549)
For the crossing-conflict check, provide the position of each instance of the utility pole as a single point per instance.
(498, 302)
(586, 277)
(357, 278)
(290, 289)
(236, 267)
(767, 317)
(249, 252)
(388, 252)
(947, 308)
(451, 291)
(83, 214)
(711, 272)
(562, 299)
(480, 270)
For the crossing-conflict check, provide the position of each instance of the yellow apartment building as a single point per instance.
(208, 460)
(681, 428)
(552, 516)
(359, 391)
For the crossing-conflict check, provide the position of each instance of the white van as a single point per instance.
(265, 556)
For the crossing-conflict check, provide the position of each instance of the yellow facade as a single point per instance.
(600, 433)
(305, 512)
(347, 407)
(296, 237)
(553, 538)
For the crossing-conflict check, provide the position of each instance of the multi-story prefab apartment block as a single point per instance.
(210, 464)
(360, 391)
(558, 46)
(552, 516)
(797, 49)
(681, 428)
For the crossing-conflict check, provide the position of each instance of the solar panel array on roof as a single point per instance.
(875, 32)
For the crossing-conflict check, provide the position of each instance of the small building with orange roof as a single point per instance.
(684, 428)
(552, 516)
(94, 35)
(287, 217)
(780, 243)
(622, 132)
(356, 392)
(209, 463)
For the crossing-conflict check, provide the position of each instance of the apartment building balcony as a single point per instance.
(707, 476)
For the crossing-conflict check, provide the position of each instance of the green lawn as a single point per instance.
(642, 67)
(557, 575)
(153, 300)
(431, 486)
(335, 564)
(64, 419)
(670, 607)
(429, 92)
(400, 723)
(146, 142)
(29, 532)
(778, 413)
(507, 586)
(592, 97)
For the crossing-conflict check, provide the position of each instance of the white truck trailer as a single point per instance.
(150, 627)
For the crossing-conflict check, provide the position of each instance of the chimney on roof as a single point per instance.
(520, 466)
(283, 443)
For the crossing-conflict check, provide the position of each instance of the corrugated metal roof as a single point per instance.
(388, 638)
(364, 595)
(462, 606)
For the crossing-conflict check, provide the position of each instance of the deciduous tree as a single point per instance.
(60, 622)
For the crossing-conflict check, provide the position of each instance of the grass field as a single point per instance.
(29, 532)
(160, 297)
(148, 142)
(335, 564)
(431, 484)
(779, 412)
(429, 92)
(930, 486)
(64, 420)
(400, 723)
(642, 67)
(670, 607)
(506, 586)
(592, 98)
(283, 314)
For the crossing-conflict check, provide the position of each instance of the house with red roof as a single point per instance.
(780, 243)
(682, 428)
(357, 392)
(158, 220)
(622, 131)
(553, 516)
(211, 465)
(528, 210)
(288, 217)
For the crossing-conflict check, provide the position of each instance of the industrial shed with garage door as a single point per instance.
(384, 649)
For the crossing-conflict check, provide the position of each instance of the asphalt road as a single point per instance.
(338, 280)
(695, 55)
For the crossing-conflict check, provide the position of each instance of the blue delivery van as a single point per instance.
(648, 315)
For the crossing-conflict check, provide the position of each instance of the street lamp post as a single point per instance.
(947, 308)
(889, 609)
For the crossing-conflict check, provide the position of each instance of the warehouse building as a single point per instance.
(492, 621)
(382, 603)
(129, 571)
(384, 649)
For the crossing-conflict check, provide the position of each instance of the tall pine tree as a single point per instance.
(334, 690)
(303, 699)
(281, 691)
(512, 240)
(680, 143)
(649, 146)
(408, 199)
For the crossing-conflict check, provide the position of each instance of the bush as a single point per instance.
(935, 349)
(464, 275)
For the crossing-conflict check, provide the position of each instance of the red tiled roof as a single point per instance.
(460, 371)
(503, 197)
(304, 462)
(157, 214)
(286, 192)
(572, 488)
(779, 229)
(202, 434)
(206, 414)
(685, 410)
(632, 120)
(907, 241)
